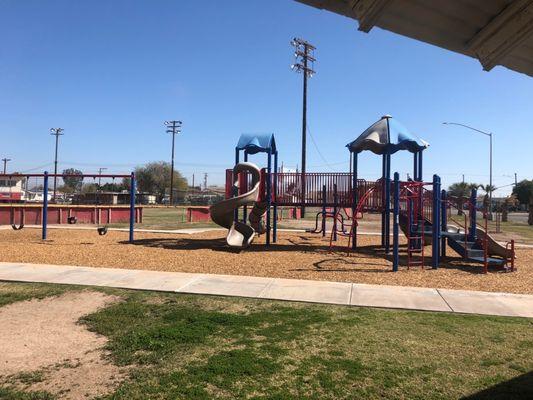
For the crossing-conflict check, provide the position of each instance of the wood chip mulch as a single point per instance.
(300, 256)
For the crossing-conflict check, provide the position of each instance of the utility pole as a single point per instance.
(6, 160)
(56, 132)
(100, 175)
(193, 182)
(515, 178)
(173, 127)
(205, 181)
(463, 178)
(304, 62)
(99, 189)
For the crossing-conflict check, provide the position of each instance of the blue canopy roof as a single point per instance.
(257, 143)
(387, 136)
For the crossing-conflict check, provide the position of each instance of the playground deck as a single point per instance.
(296, 255)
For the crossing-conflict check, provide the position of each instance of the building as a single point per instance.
(146, 198)
(112, 198)
(35, 196)
(104, 198)
(12, 189)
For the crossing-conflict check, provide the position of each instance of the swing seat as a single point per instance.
(72, 220)
(17, 228)
(102, 230)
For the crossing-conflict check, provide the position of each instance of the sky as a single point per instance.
(111, 72)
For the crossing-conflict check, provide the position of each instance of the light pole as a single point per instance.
(5, 161)
(489, 134)
(173, 127)
(304, 61)
(56, 132)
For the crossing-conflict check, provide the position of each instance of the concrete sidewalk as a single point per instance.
(350, 294)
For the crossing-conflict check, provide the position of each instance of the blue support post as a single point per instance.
(335, 207)
(383, 200)
(387, 206)
(323, 210)
(473, 215)
(444, 221)
(44, 215)
(132, 206)
(235, 190)
(396, 224)
(420, 175)
(355, 200)
(415, 166)
(435, 242)
(245, 209)
(269, 195)
(275, 222)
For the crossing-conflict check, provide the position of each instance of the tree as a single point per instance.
(65, 189)
(509, 202)
(154, 178)
(461, 191)
(530, 218)
(89, 187)
(487, 189)
(524, 191)
(113, 187)
(72, 183)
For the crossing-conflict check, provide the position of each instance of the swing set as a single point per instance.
(101, 229)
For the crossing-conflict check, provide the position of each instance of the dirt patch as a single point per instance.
(44, 348)
(295, 255)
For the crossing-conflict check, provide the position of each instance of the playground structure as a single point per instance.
(419, 209)
(248, 185)
(101, 216)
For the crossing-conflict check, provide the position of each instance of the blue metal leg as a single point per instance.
(45, 206)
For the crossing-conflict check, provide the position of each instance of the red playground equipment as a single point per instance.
(419, 209)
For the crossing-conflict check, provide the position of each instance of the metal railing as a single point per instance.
(289, 189)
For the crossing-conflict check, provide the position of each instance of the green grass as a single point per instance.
(167, 218)
(523, 230)
(10, 293)
(202, 347)
(12, 394)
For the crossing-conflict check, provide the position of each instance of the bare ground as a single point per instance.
(300, 256)
(44, 348)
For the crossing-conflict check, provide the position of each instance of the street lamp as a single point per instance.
(489, 134)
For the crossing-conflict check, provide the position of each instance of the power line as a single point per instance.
(40, 167)
(326, 163)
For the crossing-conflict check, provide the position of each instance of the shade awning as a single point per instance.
(496, 32)
(254, 143)
(387, 136)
